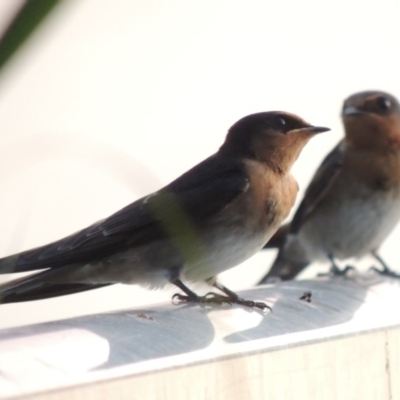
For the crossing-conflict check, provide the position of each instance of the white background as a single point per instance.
(110, 100)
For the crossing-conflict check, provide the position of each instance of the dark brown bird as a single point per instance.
(210, 219)
(353, 202)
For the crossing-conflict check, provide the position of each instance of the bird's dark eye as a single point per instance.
(384, 104)
(281, 122)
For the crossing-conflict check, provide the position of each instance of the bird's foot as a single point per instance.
(234, 298)
(386, 272)
(336, 271)
(209, 298)
(251, 303)
(215, 298)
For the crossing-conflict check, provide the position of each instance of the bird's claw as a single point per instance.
(336, 271)
(181, 297)
(212, 297)
(342, 272)
(252, 304)
(209, 298)
(215, 298)
(385, 272)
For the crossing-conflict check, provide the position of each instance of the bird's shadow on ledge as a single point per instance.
(332, 301)
(139, 335)
(134, 335)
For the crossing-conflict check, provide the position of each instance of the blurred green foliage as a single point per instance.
(28, 18)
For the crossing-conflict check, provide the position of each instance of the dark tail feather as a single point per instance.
(37, 287)
(284, 269)
(8, 265)
(279, 238)
(12, 264)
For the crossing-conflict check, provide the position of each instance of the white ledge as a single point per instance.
(188, 351)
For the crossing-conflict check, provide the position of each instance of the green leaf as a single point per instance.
(29, 17)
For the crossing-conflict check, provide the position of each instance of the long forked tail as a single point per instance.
(284, 267)
(40, 286)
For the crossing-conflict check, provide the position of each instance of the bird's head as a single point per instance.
(274, 137)
(372, 120)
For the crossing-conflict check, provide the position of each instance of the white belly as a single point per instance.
(354, 228)
(224, 253)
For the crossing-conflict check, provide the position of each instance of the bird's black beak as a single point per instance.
(311, 129)
(317, 129)
(351, 111)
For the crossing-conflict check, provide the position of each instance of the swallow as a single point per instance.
(211, 218)
(353, 201)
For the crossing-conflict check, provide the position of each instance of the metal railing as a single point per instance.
(343, 344)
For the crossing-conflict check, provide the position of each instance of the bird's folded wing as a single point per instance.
(195, 196)
(317, 189)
